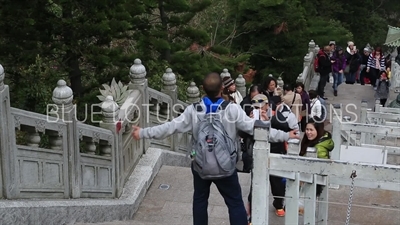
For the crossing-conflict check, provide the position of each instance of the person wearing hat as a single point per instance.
(260, 102)
(230, 90)
(353, 63)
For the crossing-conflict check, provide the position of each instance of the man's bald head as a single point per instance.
(212, 85)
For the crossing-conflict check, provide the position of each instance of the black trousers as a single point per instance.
(363, 74)
(323, 78)
(383, 101)
(278, 189)
(374, 75)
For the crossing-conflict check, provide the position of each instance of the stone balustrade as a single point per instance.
(308, 72)
(57, 156)
(395, 75)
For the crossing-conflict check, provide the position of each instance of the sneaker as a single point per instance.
(280, 212)
(335, 93)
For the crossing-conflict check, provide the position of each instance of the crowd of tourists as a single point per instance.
(222, 126)
(350, 65)
(223, 121)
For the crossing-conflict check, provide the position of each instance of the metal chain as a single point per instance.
(352, 176)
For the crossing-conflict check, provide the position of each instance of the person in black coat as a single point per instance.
(324, 67)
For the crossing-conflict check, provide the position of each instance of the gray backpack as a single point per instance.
(213, 151)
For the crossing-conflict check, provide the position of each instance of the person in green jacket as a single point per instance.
(316, 136)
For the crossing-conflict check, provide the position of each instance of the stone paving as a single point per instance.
(174, 206)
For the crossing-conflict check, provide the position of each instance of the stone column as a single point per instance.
(137, 74)
(395, 75)
(280, 81)
(66, 112)
(300, 79)
(170, 88)
(377, 105)
(307, 60)
(241, 85)
(311, 46)
(261, 152)
(363, 118)
(225, 73)
(110, 112)
(193, 93)
(8, 161)
(310, 73)
(316, 50)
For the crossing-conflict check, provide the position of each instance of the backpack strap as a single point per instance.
(197, 107)
(294, 98)
(222, 106)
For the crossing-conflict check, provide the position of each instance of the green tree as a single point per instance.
(274, 33)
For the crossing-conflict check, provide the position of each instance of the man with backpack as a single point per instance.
(215, 124)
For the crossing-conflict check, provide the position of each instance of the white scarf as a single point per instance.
(237, 97)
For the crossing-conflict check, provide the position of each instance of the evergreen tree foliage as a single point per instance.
(87, 43)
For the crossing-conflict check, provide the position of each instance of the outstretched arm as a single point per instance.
(181, 124)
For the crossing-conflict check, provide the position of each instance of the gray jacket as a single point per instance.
(234, 119)
(382, 89)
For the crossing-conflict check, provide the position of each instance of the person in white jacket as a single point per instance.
(316, 106)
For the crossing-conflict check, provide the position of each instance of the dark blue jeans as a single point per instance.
(230, 190)
(337, 79)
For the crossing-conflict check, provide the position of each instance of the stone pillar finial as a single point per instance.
(311, 46)
(137, 72)
(63, 95)
(307, 60)
(225, 73)
(307, 57)
(193, 93)
(169, 80)
(280, 81)
(316, 49)
(2, 75)
(110, 110)
(241, 85)
(300, 78)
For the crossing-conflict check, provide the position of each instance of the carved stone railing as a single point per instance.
(57, 156)
(395, 75)
(308, 72)
(383, 116)
(311, 172)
